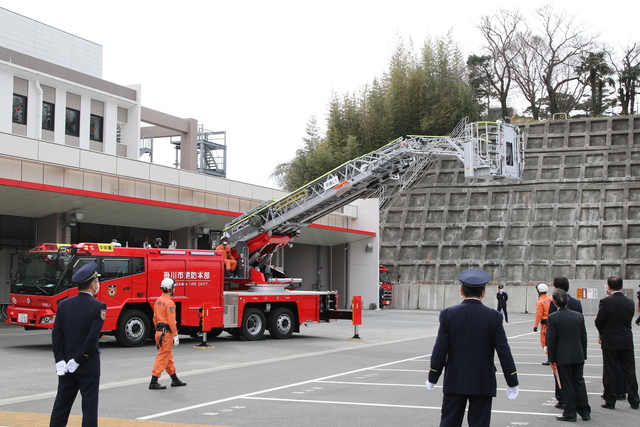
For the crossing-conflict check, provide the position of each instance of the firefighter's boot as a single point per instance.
(175, 381)
(155, 385)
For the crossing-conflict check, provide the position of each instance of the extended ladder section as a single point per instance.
(488, 150)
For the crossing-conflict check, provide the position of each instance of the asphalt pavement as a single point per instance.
(319, 377)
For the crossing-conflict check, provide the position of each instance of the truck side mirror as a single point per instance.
(59, 263)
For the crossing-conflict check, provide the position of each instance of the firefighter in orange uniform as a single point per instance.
(164, 317)
(230, 263)
(542, 314)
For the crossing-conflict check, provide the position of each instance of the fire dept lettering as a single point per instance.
(189, 278)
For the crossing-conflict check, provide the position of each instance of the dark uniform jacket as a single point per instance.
(76, 332)
(502, 299)
(613, 321)
(572, 304)
(566, 337)
(469, 334)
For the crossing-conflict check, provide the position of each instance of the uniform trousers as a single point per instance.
(453, 406)
(68, 387)
(574, 390)
(626, 360)
(164, 359)
(230, 264)
(503, 308)
(543, 334)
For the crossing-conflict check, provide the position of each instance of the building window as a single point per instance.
(119, 132)
(19, 109)
(48, 113)
(72, 122)
(96, 128)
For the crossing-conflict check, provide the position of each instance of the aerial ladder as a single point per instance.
(489, 150)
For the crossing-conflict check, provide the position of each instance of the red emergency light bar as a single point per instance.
(85, 247)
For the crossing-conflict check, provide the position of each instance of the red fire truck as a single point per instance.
(129, 285)
(386, 292)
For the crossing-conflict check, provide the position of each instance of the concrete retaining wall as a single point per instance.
(522, 299)
(576, 214)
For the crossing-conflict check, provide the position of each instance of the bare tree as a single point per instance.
(527, 71)
(501, 33)
(559, 44)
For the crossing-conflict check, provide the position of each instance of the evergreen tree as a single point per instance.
(596, 72)
(427, 94)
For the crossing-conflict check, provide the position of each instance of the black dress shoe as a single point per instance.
(563, 418)
(560, 405)
(586, 418)
(607, 406)
(546, 363)
(635, 407)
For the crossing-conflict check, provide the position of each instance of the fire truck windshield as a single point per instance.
(384, 276)
(38, 274)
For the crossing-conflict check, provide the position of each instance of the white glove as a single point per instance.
(176, 340)
(512, 392)
(72, 365)
(61, 368)
(430, 386)
(545, 350)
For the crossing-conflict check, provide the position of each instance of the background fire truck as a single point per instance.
(386, 285)
(256, 296)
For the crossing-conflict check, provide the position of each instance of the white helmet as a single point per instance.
(168, 284)
(542, 288)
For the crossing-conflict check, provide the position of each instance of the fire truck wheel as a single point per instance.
(254, 324)
(281, 321)
(133, 328)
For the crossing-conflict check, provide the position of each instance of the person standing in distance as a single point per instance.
(164, 317)
(542, 313)
(567, 345)
(561, 282)
(470, 334)
(613, 321)
(502, 302)
(75, 337)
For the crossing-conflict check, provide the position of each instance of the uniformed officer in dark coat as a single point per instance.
(469, 335)
(613, 321)
(75, 336)
(567, 346)
(502, 298)
(561, 282)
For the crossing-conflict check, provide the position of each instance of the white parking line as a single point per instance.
(248, 395)
(386, 405)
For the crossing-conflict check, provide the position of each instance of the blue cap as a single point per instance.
(85, 274)
(474, 277)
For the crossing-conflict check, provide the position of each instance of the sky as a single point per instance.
(259, 70)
